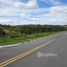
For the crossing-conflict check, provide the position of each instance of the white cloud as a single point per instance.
(8, 12)
(54, 15)
(6, 21)
(58, 9)
(15, 7)
(32, 4)
(7, 3)
(7, 8)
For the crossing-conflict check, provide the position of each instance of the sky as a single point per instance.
(20, 12)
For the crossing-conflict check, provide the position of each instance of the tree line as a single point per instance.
(14, 31)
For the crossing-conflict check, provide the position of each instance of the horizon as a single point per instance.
(32, 24)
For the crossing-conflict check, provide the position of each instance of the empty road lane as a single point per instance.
(44, 52)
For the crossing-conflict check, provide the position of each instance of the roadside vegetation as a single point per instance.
(19, 34)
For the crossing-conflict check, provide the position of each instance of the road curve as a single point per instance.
(54, 54)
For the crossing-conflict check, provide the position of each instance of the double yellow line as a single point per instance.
(5, 63)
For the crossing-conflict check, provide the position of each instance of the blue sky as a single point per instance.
(18, 12)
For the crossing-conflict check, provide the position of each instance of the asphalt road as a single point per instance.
(44, 52)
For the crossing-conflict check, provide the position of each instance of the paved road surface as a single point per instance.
(44, 52)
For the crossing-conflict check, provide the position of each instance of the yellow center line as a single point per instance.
(24, 54)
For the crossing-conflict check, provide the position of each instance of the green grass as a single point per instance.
(22, 39)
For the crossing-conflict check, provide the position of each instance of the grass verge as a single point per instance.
(22, 39)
